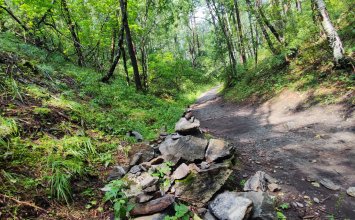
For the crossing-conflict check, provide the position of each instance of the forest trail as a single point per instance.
(296, 143)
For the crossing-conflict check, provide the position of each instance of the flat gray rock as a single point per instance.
(135, 159)
(182, 171)
(229, 206)
(188, 148)
(217, 149)
(185, 126)
(141, 198)
(116, 173)
(199, 187)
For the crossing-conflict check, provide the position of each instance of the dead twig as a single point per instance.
(24, 203)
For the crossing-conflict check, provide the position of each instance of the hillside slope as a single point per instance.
(61, 128)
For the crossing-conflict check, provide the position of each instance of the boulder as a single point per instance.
(116, 173)
(137, 184)
(153, 206)
(182, 171)
(141, 198)
(135, 159)
(217, 149)
(188, 148)
(263, 205)
(259, 181)
(185, 126)
(199, 187)
(229, 206)
(136, 135)
(351, 191)
(146, 180)
(135, 169)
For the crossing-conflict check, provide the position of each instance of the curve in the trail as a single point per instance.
(292, 142)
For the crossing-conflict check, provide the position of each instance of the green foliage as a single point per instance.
(242, 182)
(284, 206)
(280, 215)
(7, 127)
(114, 194)
(163, 170)
(41, 111)
(182, 212)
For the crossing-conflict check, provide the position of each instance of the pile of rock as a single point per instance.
(194, 170)
(186, 167)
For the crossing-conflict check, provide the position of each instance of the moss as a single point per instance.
(187, 181)
(41, 111)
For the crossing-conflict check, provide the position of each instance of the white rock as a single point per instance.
(229, 206)
(351, 191)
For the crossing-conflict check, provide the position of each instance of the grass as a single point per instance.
(60, 127)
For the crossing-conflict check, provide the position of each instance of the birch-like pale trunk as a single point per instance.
(332, 34)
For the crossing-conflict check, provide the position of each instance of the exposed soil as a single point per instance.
(295, 143)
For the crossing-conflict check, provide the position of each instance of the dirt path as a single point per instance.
(293, 142)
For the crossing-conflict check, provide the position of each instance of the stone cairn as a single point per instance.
(192, 170)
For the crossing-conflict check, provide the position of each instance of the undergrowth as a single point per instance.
(312, 70)
(60, 127)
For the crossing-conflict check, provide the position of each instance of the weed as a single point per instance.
(242, 182)
(182, 212)
(114, 194)
(280, 215)
(7, 127)
(284, 206)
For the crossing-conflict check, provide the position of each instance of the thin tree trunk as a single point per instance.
(263, 30)
(123, 51)
(71, 26)
(332, 34)
(24, 27)
(267, 38)
(299, 5)
(240, 31)
(113, 44)
(110, 72)
(130, 47)
(253, 42)
(269, 25)
(225, 33)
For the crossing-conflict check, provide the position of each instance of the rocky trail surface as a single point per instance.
(309, 149)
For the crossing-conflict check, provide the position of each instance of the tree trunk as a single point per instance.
(240, 31)
(110, 72)
(71, 26)
(263, 30)
(123, 51)
(113, 44)
(270, 26)
(299, 5)
(225, 32)
(24, 27)
(332, 34)
(253, 42)
(137, 80)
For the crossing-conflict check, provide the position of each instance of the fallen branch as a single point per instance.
(24, 203)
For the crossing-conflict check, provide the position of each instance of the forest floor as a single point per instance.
(293, 140)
